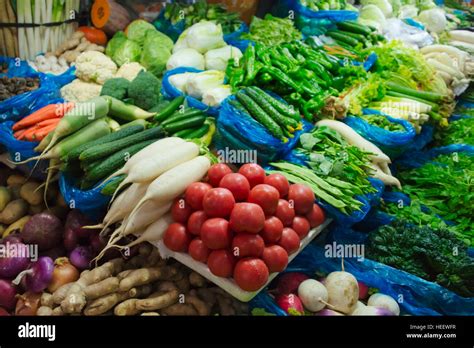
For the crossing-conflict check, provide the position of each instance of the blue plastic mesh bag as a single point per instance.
(91, 203)
(391, 143)
(250, 132)
(22, 150)
(420, 297)
(171, 92)
(23, 104)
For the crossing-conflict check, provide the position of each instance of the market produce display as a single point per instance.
(197, 156)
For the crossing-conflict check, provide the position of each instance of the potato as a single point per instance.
(15, 179)
(31, 193)
(14, 211)
(17, 226)
(5, 197)
(15, 191)
(36, 209)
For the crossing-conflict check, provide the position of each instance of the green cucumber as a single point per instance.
(191, 122)
(200, 132)
(169, 109)
(177, 116)
(282, 120)
(343, 38)
(115, 162)
(283, 108)
(103, 150)
(121, 133)
(260, 115)
(354, 28)
(183, 133)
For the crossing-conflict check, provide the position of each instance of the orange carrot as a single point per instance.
(41, 133)
(45, 113)
(48, 122)
(28, 135)
(19, 134)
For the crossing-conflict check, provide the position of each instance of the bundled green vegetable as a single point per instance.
(445, 187)
(272, 30)
(457, 132)
(383, 122)
(329, 155)
(433, 254)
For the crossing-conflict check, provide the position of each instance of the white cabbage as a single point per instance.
(186, 57)
(179, 81)
(200, 83)
(204, 36)
(215, 96)
(217, 59)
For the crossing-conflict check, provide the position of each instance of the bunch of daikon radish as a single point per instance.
(379, 160)
(158, 174)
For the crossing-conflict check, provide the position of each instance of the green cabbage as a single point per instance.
(117, 40)
(156, 52)
(127, 52)
(137, 30)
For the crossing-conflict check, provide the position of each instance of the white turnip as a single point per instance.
(313, 294)
(343, 291)
(369, 310)
(384, 301)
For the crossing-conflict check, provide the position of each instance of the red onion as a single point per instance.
(75, 221)
(96, 243)
(81, 257)
(7, 294)
(289, 282)
(12, 238)
(70, 239)
(4, 312)
(38, 276)
(291, 304)
(11, 266)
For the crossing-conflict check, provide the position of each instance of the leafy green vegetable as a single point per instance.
(433, 254)
(272, 30)
(156, 52)
(361, 93)
(127, 51)
(458, 132)
(382, 122)
(138, 29)
(446, 187)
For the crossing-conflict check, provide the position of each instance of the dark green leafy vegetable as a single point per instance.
(272, 30)
(458, 132)
(382, 122)
(433, 254)
(446, 187)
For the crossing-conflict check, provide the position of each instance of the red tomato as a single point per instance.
(221, 263)
(272, 230)
(254, 173)
(247, 244)
(275, 257)
(237, 184)
(176, 238)
(316, 216)
(280, 182)
(301, 226)
(198, 250)
(195, 222)
(215, 233)
(247, 217)
(250, 274)
(181, 211)
(218, 202)
(217, 172)
(195, 193)
(302, 197)
(289, 240)
(285, 212)
(265, 196)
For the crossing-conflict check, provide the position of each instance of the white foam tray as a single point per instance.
(228, 284)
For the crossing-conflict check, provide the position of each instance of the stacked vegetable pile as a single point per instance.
(10, 87)
(242, 225)
(339, 293)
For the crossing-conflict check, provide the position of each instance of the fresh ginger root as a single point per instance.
(145, 276)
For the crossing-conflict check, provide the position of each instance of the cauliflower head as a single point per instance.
(80, 91)
(130, 70)
(93, 66)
